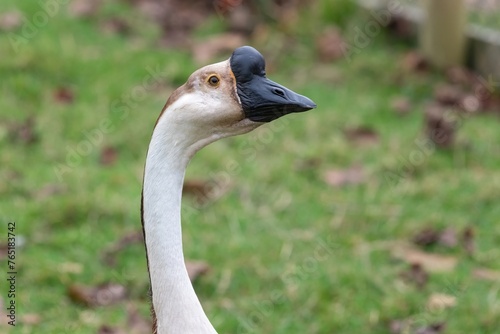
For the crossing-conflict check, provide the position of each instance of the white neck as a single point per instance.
(175, 303)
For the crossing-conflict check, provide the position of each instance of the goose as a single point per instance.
(220, 100)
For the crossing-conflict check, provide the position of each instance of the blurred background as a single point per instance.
(374, 213)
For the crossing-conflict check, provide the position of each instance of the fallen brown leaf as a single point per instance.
(3, 251)
(156, 11)
(107, 329)
(307, 164)
(242, 20)
(10, 20)
(178, 18)
(177, 39)
(196, 269)
(223, 7)
(468, 241)
(440, 301)
(401, 27)
(401, 105)
(196, 187)
(486, 274)
(84, 8)
(399, 326)
(109, 255)
(342, 177)
(491, 104)
(459, 76)
(426, 237)
(3, 314)
(330, 45)
(429, 261)
(361, 135)
(449, 95)
(438, 127)
(413, 61)
(109, 156)
(207, 50)
(64, 95)
(116, 25)
(204, 191)
(30, 319)
(48, 191)
(407, 326)
(70, 267)
(416, 274)
(448, 237)
(436, 328)
(430, 236)
(23, 132)
(102, 295)
(135, 324)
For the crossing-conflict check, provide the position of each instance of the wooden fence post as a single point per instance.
(442, 36)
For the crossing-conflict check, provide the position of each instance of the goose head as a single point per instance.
(229, 98)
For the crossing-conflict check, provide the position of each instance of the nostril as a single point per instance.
(279, 92)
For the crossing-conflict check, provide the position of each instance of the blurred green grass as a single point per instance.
(260, 238)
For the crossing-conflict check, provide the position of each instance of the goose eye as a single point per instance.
(213, 80)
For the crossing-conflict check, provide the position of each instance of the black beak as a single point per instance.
(263, 100)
